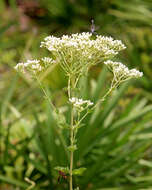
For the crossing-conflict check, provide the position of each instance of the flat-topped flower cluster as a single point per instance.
(121, 72)
(76, 53)
(34, 66)
(83, 41)
(80, 104)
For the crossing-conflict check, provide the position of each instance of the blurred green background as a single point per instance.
(115, 145)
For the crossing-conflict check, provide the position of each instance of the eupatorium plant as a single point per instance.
(76, 54)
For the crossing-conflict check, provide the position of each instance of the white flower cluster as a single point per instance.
(80, 104)
(121, 72)
(81, 50)
(83, 41)
(34, 66)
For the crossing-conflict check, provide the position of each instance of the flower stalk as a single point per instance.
(71, 153)
(76, 54)
(70, 87)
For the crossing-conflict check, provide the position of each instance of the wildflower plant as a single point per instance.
(76, 54)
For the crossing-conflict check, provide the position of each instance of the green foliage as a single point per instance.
(62, 169)
(72, 148)
(115, 143)
(78, 171)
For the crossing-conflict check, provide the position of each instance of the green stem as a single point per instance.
(70, 87)
(71, 153)
(45, 93)
(69, 82)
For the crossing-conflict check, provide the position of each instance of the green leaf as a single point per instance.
(100, 84)
(72, 148)
(12, 181)
(78, 171)
(84, 89)
(8, 96)
(145, 163)
(62, 169)
(131, 118)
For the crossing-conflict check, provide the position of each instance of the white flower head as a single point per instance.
(80, 104)
(78, 51)
(121, 72)
(31, 65)
(34, 66)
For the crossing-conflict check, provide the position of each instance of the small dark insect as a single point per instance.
(93, 28)
(62, 175)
